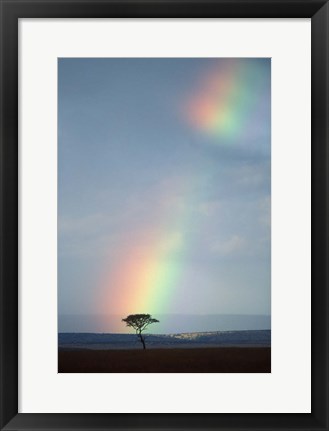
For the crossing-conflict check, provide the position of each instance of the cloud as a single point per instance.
(86, 236)
(253, 175)
(85, 225)
(265, 211)
(173, 242)
(209, 208)
(233, 245)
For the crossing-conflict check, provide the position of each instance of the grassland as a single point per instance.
(194, 360)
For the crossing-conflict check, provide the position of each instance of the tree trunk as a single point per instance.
(142, 340)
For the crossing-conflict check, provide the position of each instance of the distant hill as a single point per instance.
(183, 340)
(169, 323)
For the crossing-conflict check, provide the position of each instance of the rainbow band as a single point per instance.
(225, 104)
(147, 272)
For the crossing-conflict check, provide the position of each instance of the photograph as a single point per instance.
(164, 215)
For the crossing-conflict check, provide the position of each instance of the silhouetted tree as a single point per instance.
(140, 322)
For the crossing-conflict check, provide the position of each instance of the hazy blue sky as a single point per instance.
(163, 186)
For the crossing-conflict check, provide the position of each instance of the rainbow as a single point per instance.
(228, 100)
(148, 268)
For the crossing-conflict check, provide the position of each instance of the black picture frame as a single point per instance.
(11, 12)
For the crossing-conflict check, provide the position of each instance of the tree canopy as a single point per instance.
(139, 322)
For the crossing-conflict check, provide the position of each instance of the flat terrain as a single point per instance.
(199, 360)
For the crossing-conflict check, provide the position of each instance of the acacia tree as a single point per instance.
(139, 322)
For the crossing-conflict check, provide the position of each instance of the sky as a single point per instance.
(164, 188)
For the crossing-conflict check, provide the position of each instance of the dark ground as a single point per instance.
(199, 360)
